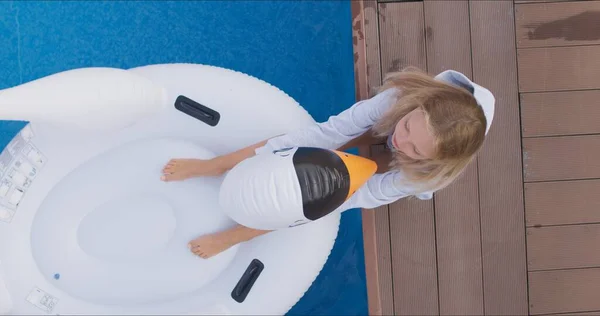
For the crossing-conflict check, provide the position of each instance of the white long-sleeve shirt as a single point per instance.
(380, 189)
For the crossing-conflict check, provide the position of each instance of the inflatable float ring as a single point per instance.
(86, 225)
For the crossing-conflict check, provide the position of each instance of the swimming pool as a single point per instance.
(303, 48)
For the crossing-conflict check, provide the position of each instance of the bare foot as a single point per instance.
(181, 169)
(210, 245)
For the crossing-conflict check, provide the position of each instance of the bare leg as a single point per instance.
(181, 169)
(209, 245)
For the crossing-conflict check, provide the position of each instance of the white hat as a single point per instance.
(483, 96)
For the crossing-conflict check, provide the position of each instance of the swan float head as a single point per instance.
(101, 99)
(292, 186)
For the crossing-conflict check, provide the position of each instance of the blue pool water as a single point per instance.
(304, 48)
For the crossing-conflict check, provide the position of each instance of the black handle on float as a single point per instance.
(244, 285)
(197, 110)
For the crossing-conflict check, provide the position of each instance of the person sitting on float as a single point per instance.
(433, 126)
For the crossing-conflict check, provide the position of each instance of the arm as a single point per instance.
(382, 189)
(332, 134)
(338, 129)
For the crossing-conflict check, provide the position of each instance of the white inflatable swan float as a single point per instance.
(87, 227)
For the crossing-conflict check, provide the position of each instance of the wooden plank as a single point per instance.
(563, 247)
(413, 257)
(411, 220)
(564, 291)
(389, 1)
(589, 313)
(560, 113)
(378, 268)
(558, 24)
(372, 258)
(374, 76)
(381, 300)
(359, 48)
(561, 158)
(540, 1)
(564, 202)
(384, 262)
(500, 173)
(559, 68)
(448, 42)
(402, 36)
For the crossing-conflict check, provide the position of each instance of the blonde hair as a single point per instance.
(453, 117)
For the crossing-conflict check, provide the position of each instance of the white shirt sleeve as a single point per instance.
(380, 189)
(338, 129)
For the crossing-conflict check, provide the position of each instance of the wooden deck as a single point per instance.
(520, 232)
